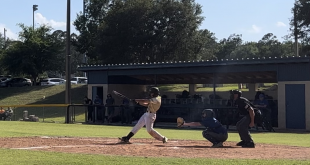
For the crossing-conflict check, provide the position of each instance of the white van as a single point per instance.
(79, 80)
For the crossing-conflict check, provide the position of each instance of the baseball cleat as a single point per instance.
(124, 140)
(217, 145)
(240, 143)
(248, 145)
(165, 140)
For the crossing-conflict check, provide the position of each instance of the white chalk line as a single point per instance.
(75, 146)
(91, 139)
(72, 146)
(68, 146)
(76, 138)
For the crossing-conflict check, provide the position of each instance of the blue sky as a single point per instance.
(250, 18)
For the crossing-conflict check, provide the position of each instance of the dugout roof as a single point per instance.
(254, 70)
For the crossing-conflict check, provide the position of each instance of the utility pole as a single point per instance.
(34, 8)
(4, 35)
(68, 57)
(85, 54)
(296, 30)
(84, 7)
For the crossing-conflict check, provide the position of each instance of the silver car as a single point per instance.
(52, 81)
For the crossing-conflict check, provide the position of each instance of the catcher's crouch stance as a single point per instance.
(148, 118)
(215, 132)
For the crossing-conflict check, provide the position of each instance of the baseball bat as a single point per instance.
(120, 95)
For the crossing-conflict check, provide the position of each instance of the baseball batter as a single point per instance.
(148, 118)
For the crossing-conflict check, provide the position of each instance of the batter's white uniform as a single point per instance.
(148, 119)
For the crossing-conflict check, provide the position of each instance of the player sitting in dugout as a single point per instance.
(215, 132)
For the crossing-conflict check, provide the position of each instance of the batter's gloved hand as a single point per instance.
(180, 122)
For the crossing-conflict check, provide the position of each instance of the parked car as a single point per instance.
(4, 79)
(79, 80)
(16, 82)
(52, 81)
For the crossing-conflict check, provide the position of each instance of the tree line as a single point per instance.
(139, 31)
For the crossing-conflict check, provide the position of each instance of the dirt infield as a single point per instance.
(153, 148)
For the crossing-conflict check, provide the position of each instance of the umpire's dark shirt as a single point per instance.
(243, 104)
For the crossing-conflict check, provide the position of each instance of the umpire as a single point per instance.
(247, 114)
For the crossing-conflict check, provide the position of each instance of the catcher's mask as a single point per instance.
(208, 113)
(233, 92)
(154, 91)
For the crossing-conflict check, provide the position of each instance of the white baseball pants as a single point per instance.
(148, 120)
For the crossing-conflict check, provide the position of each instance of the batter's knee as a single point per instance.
(149, 130)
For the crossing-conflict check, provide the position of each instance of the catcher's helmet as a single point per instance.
(236, 92)
(209, 113)
(155, 91)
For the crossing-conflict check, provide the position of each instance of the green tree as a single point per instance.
(2, 47)
(209, 46)
(140, 31)
(34, 53)
(2, 42)
(227, 46)
(288, 46)
(89, 24)
(300, 24)
(246, 50)
(76, 57)
(269, 46)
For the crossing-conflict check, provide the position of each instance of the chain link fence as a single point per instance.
(50, 113)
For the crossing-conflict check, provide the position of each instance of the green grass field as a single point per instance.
(22, 129)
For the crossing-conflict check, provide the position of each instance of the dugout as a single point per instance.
(290, 73)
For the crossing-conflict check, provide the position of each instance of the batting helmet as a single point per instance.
(209, 113)
(236, 92)
(155, 91)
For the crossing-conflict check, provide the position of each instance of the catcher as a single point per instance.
(215, 132)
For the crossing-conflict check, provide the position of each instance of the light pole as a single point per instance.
(68, 65)
(34, 8)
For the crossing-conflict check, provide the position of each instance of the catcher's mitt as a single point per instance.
(180, 122)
